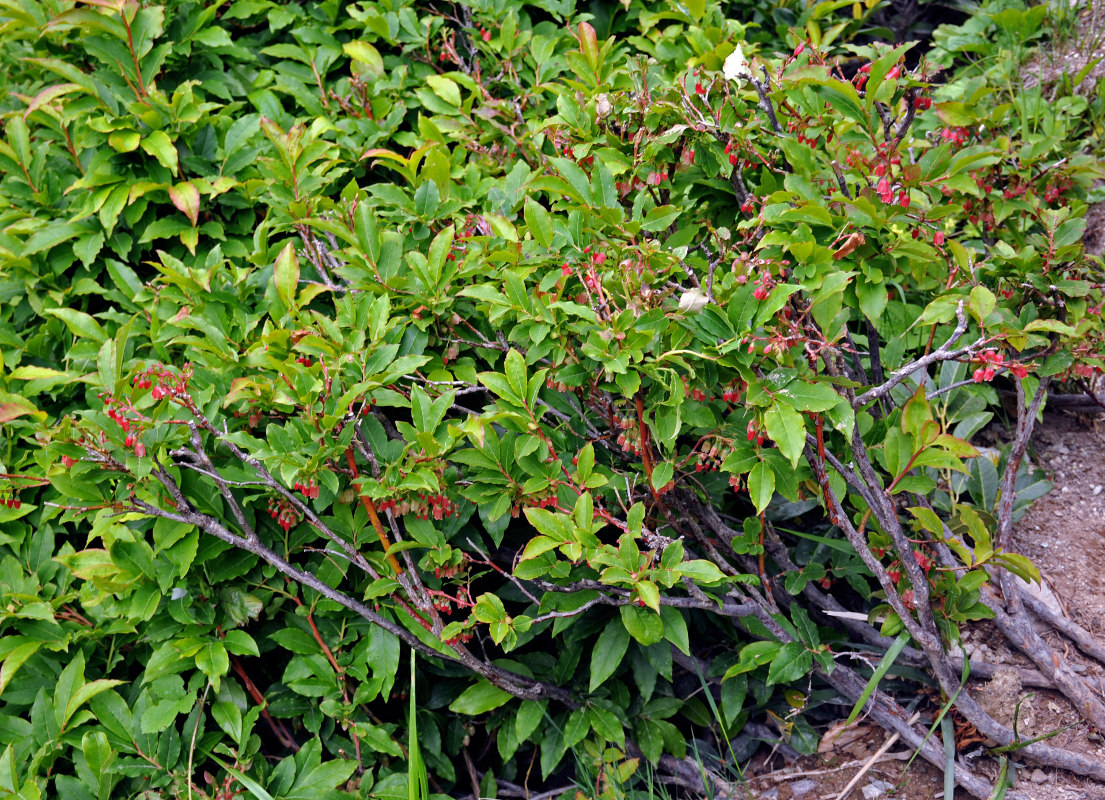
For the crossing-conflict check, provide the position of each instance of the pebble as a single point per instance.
(876, 789)
(1097, 490)
(1038, 776)
(803, 787)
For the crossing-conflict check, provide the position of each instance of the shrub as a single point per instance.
(577, 370)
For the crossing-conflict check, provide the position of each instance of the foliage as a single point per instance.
(581, 365)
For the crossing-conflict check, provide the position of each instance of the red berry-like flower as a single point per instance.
(798, 50)
(1019, 371)
(938, 239)
(699, 88)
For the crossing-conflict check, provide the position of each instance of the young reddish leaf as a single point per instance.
(186, 198)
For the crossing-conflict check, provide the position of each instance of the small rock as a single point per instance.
(876, 789)
(1038, 776)
(803, 787)
(1096, 490)
(771, 794)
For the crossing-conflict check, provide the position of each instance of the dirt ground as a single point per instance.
(1064, 535)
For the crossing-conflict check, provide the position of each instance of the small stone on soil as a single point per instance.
(802, 788)
(876, 789)
(1038, 776)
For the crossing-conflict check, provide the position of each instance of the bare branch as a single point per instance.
(943, 353)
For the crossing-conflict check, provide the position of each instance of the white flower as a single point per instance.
(736, 66)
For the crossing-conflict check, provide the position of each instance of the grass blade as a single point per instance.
(947, 731)
(880, 672)
(418, 782)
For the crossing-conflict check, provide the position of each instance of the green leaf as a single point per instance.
(752, 656)
(761, 485)
(701, 571)
(15, 658)
(285, 275)
(516, 372)
(675, 628)
(80, 323)
(47, 237)
(160, 146)
(363, 53)
(445, 88)
(982, 303)
(792, 662)
(539, 222)
(608, 652)
(643, 624)
(660, 217)
(805, 396)
(787, 428)
(480, 698)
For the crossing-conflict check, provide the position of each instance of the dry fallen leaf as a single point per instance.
(850, 244)
(840, 734)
